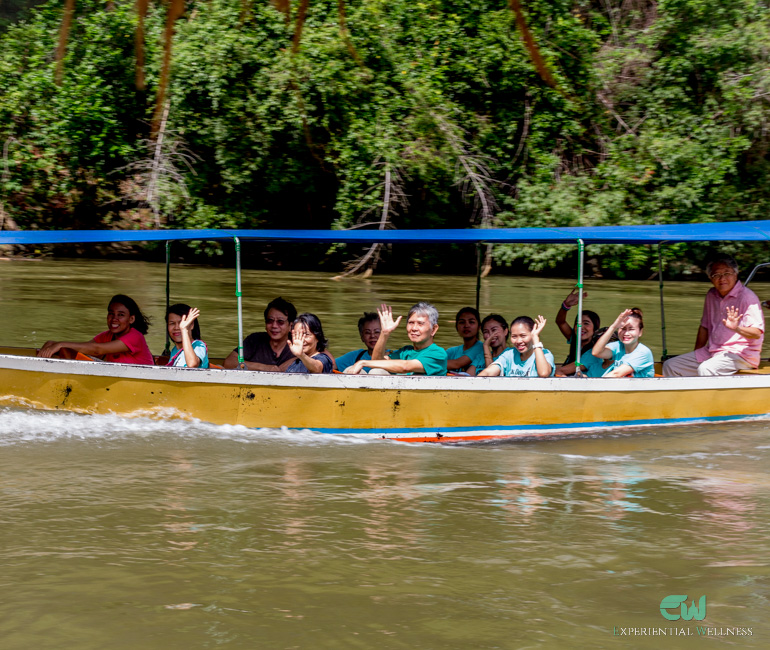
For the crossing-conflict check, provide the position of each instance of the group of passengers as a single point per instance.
(729, 339)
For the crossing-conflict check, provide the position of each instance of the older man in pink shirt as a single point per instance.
(731, 330)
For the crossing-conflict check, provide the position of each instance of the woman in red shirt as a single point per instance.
(123, 342)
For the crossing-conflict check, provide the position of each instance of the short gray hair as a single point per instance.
(728, 260)
(427, 309)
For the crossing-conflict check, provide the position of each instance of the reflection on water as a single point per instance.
(174, 534)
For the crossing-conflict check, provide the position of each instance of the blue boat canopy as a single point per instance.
(648, 234)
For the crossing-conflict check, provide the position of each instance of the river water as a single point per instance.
(128, 533)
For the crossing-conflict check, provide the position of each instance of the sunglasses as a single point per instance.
(277, 321)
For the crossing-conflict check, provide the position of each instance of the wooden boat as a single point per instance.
(415, 409)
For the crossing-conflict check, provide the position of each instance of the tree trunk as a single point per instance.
(175, 10)
(141, 10)
(64, 31)
(301, 15)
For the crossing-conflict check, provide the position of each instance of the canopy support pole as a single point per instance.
(478, 275)
(239, 295)
(662, 308)
(754, 272)
(167, 349)
(579, 324)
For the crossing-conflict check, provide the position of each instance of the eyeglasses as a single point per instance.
(719, 276)
(277, 321)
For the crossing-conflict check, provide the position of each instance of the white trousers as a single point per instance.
(686, 365)
(372, 371)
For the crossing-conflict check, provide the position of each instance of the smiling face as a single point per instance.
(495, 333)
(587, 330)
(370, 333)
(277, 325)
(119, 319)
(420, 331)
(723, 277)
(311, 342)
(467, 326)
(174, 331)
(630, 331)
(521, 338)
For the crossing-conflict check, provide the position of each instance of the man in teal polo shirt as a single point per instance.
(423, 357)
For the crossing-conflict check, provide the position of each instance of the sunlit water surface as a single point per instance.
(128, 533)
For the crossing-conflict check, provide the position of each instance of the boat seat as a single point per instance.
(763, 369)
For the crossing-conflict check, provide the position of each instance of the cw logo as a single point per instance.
(670, 602)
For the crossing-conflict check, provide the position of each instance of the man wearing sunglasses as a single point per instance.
(269, 351)
(731, 330)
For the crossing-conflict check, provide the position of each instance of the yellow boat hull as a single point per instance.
(407, 408)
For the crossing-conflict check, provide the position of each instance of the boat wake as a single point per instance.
(22, 426)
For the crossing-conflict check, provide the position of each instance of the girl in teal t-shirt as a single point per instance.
(468, 357)
(629, 356)
(528, 357)
(185, 331)
(495, 330)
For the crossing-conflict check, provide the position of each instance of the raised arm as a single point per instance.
(487, 347)
(185, 325)
(541, 363)
(561, 318)
(297, 347)
(600, 349)
(387, 325)
(732, 322)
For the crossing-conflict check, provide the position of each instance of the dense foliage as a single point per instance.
(397, 113)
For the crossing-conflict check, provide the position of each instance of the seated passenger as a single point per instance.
(268, 351)
(732, 327)
(528, 357)
(468, 357)
(185, 331)
(589, 334)
(369, 331)
(123, 342)
(308, 344)
(494, 329)
(628, 356)
(423, 357)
